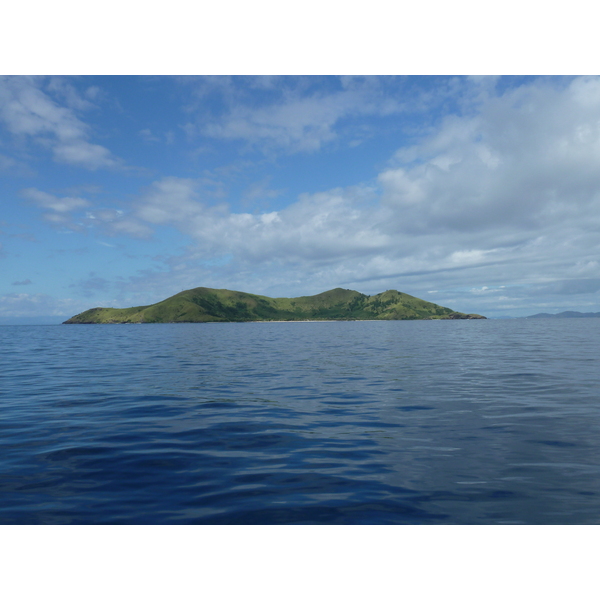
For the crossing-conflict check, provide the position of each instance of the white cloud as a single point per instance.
(506, 192)
(290, 116)
(30, 305)
(525, 160)
(318, 227)
(113, 222)
(83, 154)
(62, 89)
(26, 110)
(48, 201)
(66, 212)
(468, 257)
(170, 200)
(509, 192)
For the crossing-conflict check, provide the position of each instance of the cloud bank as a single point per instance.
(507, 194)
(494, 207)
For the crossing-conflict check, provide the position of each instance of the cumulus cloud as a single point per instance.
(317, 227)
(527, 159)
(27, 110)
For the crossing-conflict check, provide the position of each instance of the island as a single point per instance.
(567, 314)
(204, 305)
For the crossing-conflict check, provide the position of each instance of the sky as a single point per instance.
(477, 193)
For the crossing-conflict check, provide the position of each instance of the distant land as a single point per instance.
(204, 305)
(567, 314)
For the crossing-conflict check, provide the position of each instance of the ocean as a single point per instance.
(394, 422)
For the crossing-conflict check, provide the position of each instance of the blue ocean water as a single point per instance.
(398, 422)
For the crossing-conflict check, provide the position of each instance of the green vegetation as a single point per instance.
(202, 305)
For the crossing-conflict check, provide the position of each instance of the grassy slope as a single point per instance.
(201, 305)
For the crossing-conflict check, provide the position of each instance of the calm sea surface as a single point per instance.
(416, 422)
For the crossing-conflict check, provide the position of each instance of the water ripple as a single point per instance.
(380, 423)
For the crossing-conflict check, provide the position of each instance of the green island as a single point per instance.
(204, 305)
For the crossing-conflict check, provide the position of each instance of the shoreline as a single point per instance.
(290, 321)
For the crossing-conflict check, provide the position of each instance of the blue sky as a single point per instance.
(477, 193)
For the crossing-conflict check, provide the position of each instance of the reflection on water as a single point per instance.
(347, 422)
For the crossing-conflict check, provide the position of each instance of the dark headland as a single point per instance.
(203, 305)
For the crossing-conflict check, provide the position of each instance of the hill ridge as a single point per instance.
(203, 305)
(566, 314)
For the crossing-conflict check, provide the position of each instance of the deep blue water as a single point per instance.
(401, 422)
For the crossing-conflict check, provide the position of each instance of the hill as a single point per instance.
(567, 314)
(202, 305)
